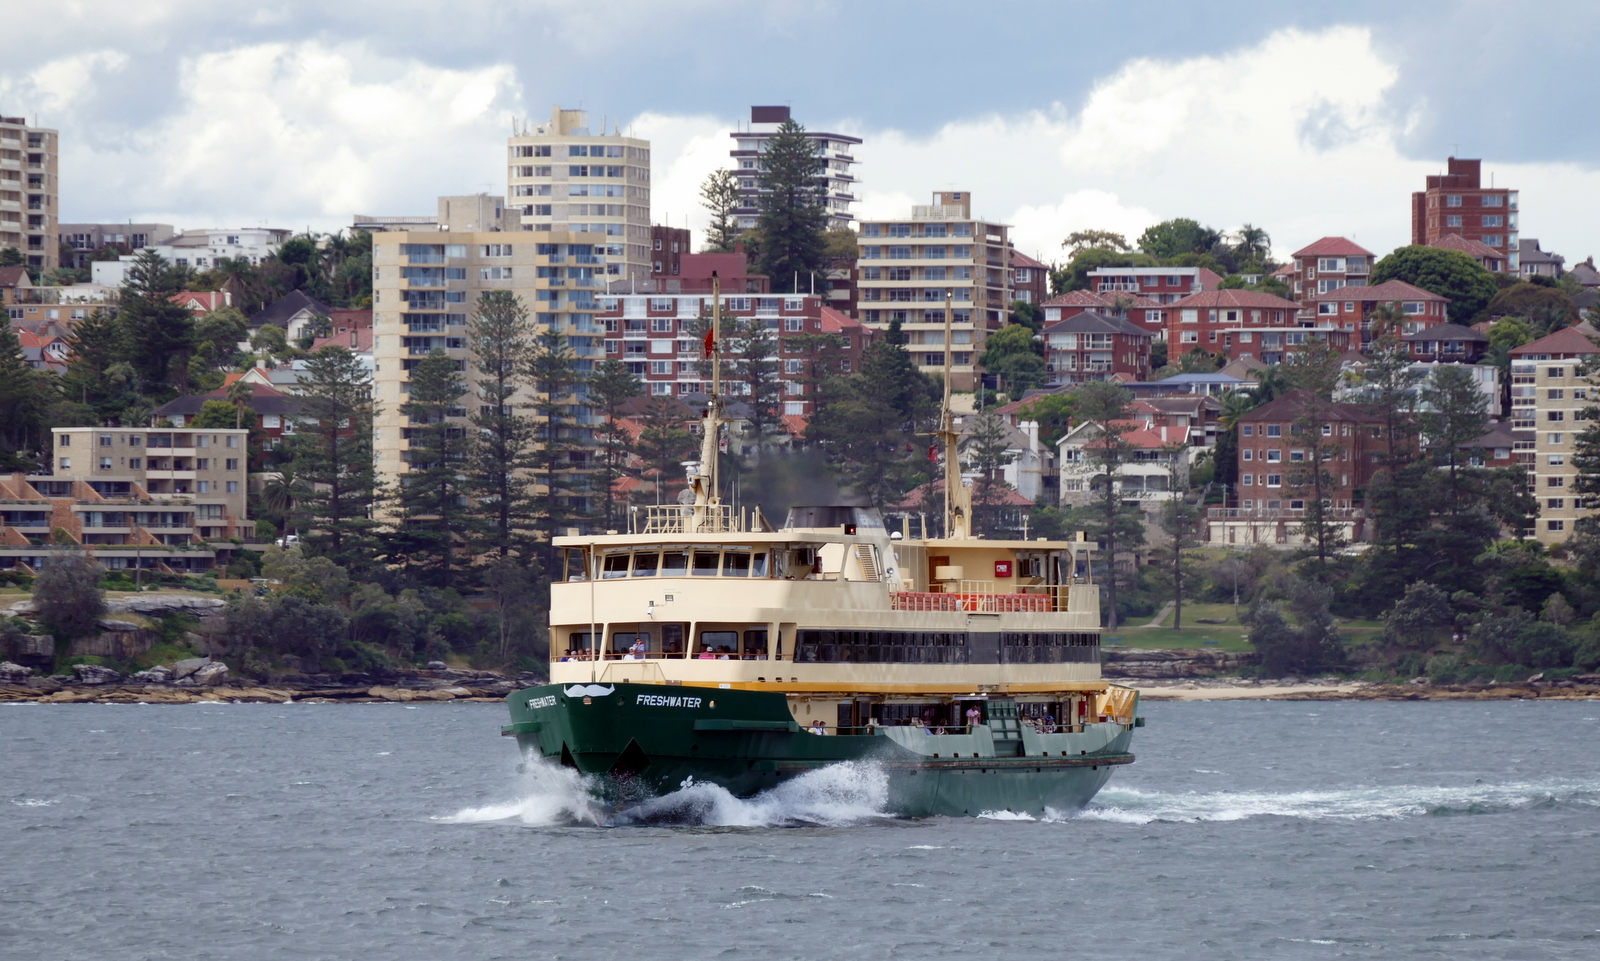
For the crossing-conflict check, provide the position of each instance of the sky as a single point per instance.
(1308, 120)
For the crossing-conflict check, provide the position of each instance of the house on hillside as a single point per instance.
(1161, 461)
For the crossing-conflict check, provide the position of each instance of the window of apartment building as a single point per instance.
(1330, 263)
(935, 252)
(1274, 480)
(233, 487)
(1453, 220)
(1555, 503)
(899, 273)
(136, 463)
(494, 273)
(1274, 430)
(66, 440)
(1555, 372)
(1493, 240)
(960, 252)
(1189, 337)
(1554, 393)
(933, 230)
(662, 325)
(202, 463)
(105, 463)
(872, 230)
(1249, 429)
(1555, 415)
(661, 367)
(899, 230)
(1452, 200)
(899, 253)
(1249, 480)
(1493, 200)
(794, 324)
(872, 273)
(233, 440)
(1554, 438)
(1274, 456)
(1555, 482)
(66, 463)
(1494, 220)
(1189, 316)
(232, 463)
(794, 367)
(1248, 454)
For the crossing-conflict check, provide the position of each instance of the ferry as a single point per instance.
(706, 644)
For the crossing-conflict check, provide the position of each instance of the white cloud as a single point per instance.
(1296, 134)
(297, 134)
(58, 85)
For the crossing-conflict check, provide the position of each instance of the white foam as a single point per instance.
(34, 802)
(549, 795)
(838, 794)
(1131, 806)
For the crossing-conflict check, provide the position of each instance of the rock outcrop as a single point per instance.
(1172, 662)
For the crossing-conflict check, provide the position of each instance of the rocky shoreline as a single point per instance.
(205, 679)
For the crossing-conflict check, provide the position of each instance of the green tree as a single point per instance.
(24, 397)
(611, 386)
(68, 597)
(241, 394)
(432, 494)
(753, 349)
(334, 458)
(665, 441)
(1170, 238)
(160, 332)
(553, 371)
(794, 215)
(1448, 273)
(1235, 404)
(1253, 242)
(1315, 372)
(1530, 300)
(1420, 620)
(988, 452)
(1053, 413)
(216, 414)
(719, 194)
(822, 357)
(864, 439)
(1012, 354)
(281, 494)
(1106, 518)
(1454, 414)
(500, 340)
(98, 344)
(1081, 240)
(1181, 520)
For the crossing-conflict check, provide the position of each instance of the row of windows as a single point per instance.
(905, 230)
(957, 252)
(945, 647)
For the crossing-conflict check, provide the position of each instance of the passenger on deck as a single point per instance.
(974, 716)
(817, 727)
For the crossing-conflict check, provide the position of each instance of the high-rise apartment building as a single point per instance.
(30, 194)
(836, 149)
(425, 285)
(562, 177)
(1456, 202)
(907, 267)
(1550, 394)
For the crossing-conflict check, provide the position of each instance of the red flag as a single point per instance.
(933, 454)
(711, 342)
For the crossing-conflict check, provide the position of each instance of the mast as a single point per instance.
(703, 482)
(957, 499)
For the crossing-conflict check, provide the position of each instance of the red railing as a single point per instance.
(975, 603)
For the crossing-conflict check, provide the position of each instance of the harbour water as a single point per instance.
(1245, 830)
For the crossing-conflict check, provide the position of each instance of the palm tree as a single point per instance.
(1270, 385)
(1253, 241)
(280, 493)
(240, 394)
(1385, 318)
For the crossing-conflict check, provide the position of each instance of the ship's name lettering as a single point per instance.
(667, 700)
(534, 703)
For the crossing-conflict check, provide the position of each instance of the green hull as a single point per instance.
(648, 740)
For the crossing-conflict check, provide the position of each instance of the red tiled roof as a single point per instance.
(1388, 291)
(1020, 259)
(361, 335)
(1287, 270)
(1471, 248)
(834, 322)
(1333, 247)
(14, 277)
(1234, 297)
(1209, 279)
(200, 301)
(795, 424)
(1568, 341)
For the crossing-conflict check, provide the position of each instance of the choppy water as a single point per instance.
(1245, 830)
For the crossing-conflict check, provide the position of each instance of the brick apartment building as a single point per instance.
(1490, 259)
(658, 337)
(1093, 346)
(667, 247)
(1164, 285)
(1456, 202)
(1274, 345)
(1200, 320)
(1351, 308)
(1030, 279)
(1274, 472)
(1141, 312)
(1328, 264)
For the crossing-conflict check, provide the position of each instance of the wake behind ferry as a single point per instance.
(706, 645)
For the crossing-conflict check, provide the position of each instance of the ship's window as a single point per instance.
(705, 563)
(758, 565)
(644, 564)
(755, 645)
(721, 645)
(578, 643)
(616, 565)
(575, 568)
(735, 564)
(674, 563)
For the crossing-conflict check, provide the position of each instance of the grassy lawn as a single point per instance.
(1228, 636)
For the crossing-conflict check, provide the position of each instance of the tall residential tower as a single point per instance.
(30, 195)
(836, 150)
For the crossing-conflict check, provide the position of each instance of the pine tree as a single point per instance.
(822, 357)
(753, 350)
(609, 387)
(988, 453)
(500, 340)
(794, 213)
(23, 400)
(1315, 372)
(334, 456)
(553, 370)
(433, 489)
(1105, 518)
(719, 194)
(1180, 520)
(160, 332)
(665, 442)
